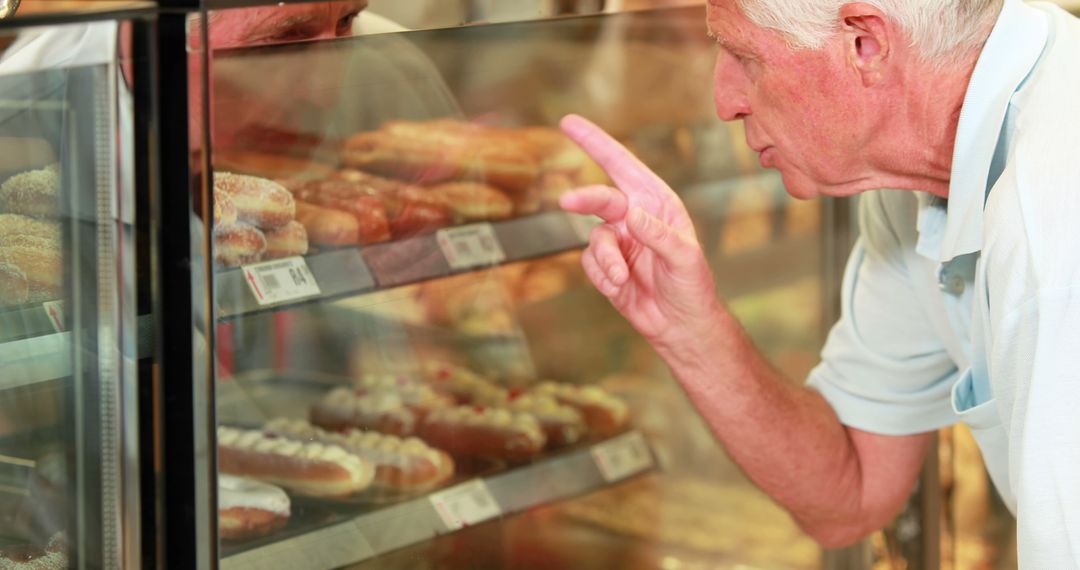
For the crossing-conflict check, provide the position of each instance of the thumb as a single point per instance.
(659, 237)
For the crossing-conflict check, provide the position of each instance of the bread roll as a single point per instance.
(286, 241)
(326, 226)
(33, 193)
(238, 244)
(260, 202)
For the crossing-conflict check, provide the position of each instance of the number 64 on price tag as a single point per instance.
(280, 280)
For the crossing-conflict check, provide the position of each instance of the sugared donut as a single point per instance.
(286, 241)
(14, 288)
(237, 244)
(260, 202)
(40, 261)
(29, 557)
(32, 193)
(249, 508)
(224, 209)
(20, 225)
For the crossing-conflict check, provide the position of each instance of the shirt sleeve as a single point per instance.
(884, 367)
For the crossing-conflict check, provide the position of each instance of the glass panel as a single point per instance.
(68, 315)
(391, 263)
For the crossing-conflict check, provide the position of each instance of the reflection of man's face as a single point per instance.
(265, 95)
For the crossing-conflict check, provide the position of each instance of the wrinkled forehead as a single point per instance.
(725, 20)
(233, 27)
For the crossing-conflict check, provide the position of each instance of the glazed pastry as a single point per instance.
(364, 205)
(406, 464)
(260, 202)
(472, 201)
(249, 508)
(238, 244)
(480, 431)
(33, 193)
(40, 261)
(326, 226)
(286, 241)
(312, 469)
(605, 414)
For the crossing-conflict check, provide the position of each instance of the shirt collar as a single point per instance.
(1010, 52)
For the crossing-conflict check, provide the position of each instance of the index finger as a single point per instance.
(629, 174)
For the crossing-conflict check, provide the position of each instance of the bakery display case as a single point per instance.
(74, 301)
(411, 370)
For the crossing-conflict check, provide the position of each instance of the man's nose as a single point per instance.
(729, 88)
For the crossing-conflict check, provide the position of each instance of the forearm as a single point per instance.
(784, 436)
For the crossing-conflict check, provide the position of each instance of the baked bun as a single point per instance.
(326, 226)
(33, 193)
(14, 287)
(40, 261)
(480, 431)
(238, 244)
(473, 201)
(260, 202)
(20, 225)
(224, 209)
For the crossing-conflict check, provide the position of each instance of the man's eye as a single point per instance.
(345, 24)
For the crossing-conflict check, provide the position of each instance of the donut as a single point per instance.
(260, 202)
(30, 557)
(32, 193)
(249, 508)
(481, 431)
(20, 225)
(286, 241)
(401, 464)
(605, 414)
(473, 201)
(14, 288)
(326, 226)
(224, 209)
(305, 468)
(40, 261)
(238, 244)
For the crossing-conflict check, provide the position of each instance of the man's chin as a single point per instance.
(800, 187)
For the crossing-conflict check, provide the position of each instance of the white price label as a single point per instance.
(467, 504)
(622, 456)
(55, 312)
(583, 225)
(280, 280)
(470, 246)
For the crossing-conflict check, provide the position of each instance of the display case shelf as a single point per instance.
(350, 540)
(352, 271)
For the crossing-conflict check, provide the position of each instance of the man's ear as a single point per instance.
(867, 39)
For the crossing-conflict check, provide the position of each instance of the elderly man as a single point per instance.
(961, 301)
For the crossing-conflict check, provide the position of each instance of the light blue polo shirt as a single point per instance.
(968, 310)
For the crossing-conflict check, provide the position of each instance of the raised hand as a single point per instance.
(645, 258)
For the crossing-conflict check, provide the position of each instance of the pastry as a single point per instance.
(19, 225)
(286, 241)
(260, 202)
(224, 209)
(326, 226)
(366, 206)
(472, 201)
(40, 261)
(605, 414)
(312, 469)
(249, 508)
(273, 166)
(33, 193)
(345, 408)
(238, 244)
(480, 431)
(463, 385)
(406, 464)
(14, 287)
(562, 424)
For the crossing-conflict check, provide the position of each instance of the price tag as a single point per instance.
(55, 312)
(470, 246)
(280, 280)
(583, 225)
(467, 504)
(622, 456)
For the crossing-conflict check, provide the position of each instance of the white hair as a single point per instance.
(937, 29)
